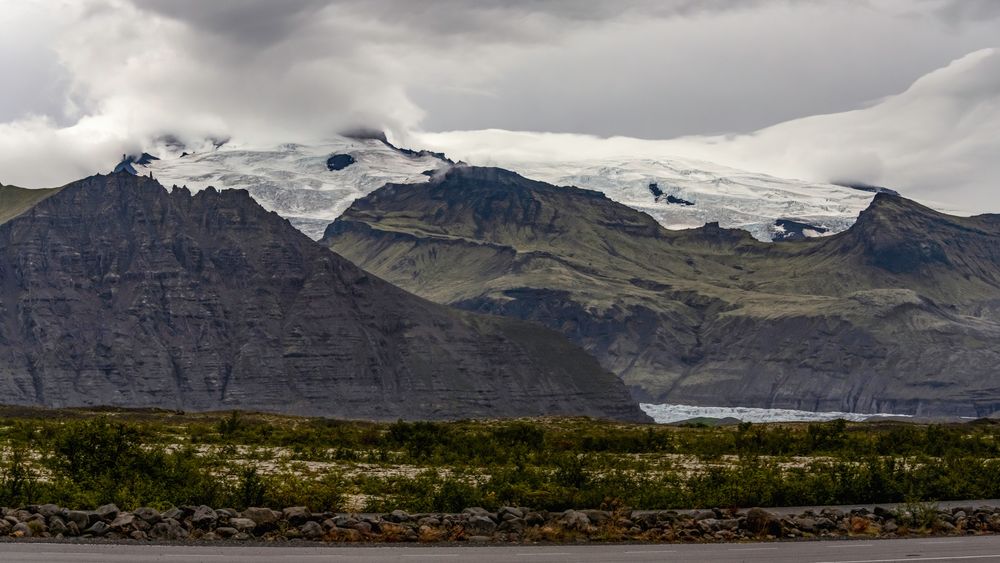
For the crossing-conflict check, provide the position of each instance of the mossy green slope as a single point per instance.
(15, 201)
(901, 313)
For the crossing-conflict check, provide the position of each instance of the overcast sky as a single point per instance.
(85, 80)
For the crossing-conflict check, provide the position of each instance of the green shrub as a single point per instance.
(18, 483)
(162, 460)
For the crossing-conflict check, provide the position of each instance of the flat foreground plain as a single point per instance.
(86, 458)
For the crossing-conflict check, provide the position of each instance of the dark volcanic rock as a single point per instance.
(114, 291)
(204, 517)
(107, 512)
(900, 313)
(146, 158)
(524, 525)
(364, 133)
(149, 515)
(658, 195)
(903, 237)
(759, 521)
(678, 201)
(795, 230)
(127, 162)
(868, 188)
(125, 166)
(339, 161)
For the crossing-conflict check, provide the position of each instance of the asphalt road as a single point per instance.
(969, 548)
(790, 510)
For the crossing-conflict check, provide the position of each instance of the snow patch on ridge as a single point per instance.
(667, 413)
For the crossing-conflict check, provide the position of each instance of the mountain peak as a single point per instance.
(902, 236)
(156, 298)
(500, 207)
(491, 178)
(893, 203)
(897, 314)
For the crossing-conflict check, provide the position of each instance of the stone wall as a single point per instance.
(509, 524)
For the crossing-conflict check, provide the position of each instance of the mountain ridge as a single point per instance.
(15, 201)
(297, 181)
(118, 292)
(867, 320)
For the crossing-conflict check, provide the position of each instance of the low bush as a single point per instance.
(239, 460)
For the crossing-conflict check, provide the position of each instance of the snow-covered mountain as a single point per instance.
(311, 185)
(306, 184)
(682, 194)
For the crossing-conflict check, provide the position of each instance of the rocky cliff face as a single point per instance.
(114, 291)
(901, 313)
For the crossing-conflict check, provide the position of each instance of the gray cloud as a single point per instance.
(247, 22)
(99, 77)
(727, 72)
(958, 12)
(935, 141)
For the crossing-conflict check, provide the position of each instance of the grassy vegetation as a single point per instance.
(15, 201)
(620, 270)
(133, 458)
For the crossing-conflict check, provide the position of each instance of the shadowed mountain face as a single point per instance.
(114, 291)
(901, 313)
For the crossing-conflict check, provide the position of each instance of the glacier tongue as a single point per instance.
(666, 413)
(297, 182)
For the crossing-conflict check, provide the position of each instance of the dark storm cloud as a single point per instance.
(966, 11)
(249, 22)
(265, 22)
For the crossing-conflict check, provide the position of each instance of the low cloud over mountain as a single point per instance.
(86, 81)
(936, 141)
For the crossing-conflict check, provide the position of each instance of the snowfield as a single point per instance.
(665, 413)
(294, 181)
(733, 198)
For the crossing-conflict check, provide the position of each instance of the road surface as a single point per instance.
(795, 510)
(958, 549)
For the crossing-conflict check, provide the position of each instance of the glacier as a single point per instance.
(668, 413)
(733, 198)
(295, 181)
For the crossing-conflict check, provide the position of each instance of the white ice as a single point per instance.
(666, 413)
(293, 180)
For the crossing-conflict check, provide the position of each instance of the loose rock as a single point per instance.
(108, 512)
(296, 515)
(204, 517)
